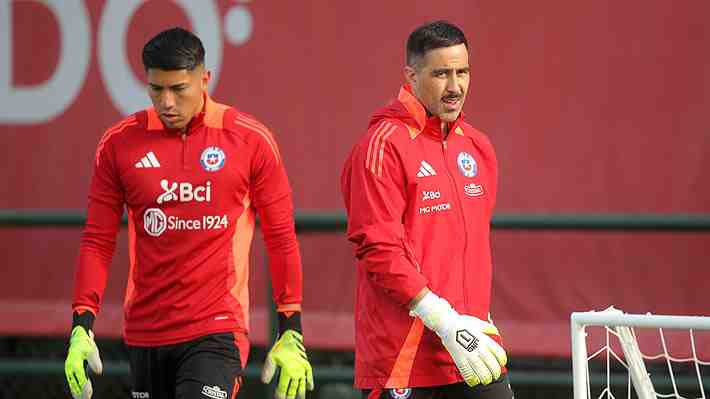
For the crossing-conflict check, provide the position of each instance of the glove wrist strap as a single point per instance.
(290, 321)
(84, 319)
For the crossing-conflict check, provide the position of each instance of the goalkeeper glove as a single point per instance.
(478, 357)
(289, 354)
(81, 348)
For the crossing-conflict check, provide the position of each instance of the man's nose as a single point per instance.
(167, 100)
(452, 84)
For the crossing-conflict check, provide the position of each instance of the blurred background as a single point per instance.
(598, 111)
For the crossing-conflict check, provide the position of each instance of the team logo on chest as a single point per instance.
(400, 393)
(212, 159)
(467, 165)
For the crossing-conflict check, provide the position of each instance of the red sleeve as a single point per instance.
(272, 200)
(98, 241)
(375, 200)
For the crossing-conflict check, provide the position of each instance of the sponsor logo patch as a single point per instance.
(214, 392)
(184, 192)
(426, 170)
(155, 222)
(431, 195)
(425, 210)
(148, 161)
(473, 190)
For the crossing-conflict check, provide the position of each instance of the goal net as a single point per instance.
(619, 355)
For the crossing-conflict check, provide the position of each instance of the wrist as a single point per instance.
(290, 321)
(418, 297)
(84, 319)
(435, 312)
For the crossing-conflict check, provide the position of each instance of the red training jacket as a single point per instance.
(419, 211)
(192, 200)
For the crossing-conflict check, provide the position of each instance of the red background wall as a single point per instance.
(594, 106)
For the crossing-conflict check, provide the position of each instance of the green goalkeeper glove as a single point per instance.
(289, 354)
(478, 357)
(82, 348)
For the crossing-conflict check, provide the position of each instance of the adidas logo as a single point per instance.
(148, 161)
(425, 170)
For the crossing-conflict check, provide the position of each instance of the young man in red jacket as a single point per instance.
(192, 174)
(419, 189)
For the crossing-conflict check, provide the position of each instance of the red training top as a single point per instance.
(419, 210)
(192, 199)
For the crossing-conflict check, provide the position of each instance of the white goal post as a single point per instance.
(622, 325)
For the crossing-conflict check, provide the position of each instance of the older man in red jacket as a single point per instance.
(419, 189)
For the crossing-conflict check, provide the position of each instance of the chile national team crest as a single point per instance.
(212, 159)
(400, 393)
(467, 165)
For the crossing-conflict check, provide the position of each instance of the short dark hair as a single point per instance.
(432, 36)
(174, 49)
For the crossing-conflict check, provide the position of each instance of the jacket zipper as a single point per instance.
(452, 181)
(183, 135)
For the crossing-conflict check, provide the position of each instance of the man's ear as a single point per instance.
(206, 76)
(410, 75)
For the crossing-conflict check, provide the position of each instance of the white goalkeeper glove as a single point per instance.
(478, 357)
(82, 348)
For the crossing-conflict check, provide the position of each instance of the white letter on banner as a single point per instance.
(43, 102)
(127, 93)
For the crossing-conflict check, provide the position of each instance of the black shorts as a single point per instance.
(499, 389)
(206, 367)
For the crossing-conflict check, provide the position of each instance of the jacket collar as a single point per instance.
(423, 121)
(211, 116)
